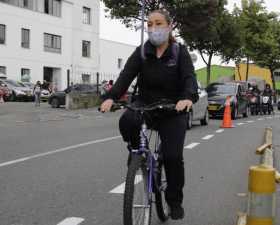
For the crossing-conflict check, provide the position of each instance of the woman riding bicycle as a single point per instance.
(166, 72)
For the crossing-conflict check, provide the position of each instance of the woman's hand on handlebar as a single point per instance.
(184, 105)
(106, 105)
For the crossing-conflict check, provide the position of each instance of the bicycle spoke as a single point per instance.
(141, 208)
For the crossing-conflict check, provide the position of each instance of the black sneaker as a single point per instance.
(177, 212)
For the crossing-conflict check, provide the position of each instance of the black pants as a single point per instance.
(172, 130)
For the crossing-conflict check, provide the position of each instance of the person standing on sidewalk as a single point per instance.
(37, 93)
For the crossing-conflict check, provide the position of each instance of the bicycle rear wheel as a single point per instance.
(137, 206)
(160, 187)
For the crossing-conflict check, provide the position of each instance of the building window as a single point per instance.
(53, 7)
(86, 15)
(21, 3)
(3, 70)
(86, 78)
(52, 43)
(25, 38)
(277, 74)
(26, 4)
(86, 49)
(25, 75)
(2, 34)
(120, 63)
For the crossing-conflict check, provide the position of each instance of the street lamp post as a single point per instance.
(142, 26)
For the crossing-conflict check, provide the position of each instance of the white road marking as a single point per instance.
(207, 137)
(220, 131)
(58, 150)
(71, 221)
(261, 119)
(250, 121)
(269, 117)
(191, 146)
(120, 189)
(240, 124)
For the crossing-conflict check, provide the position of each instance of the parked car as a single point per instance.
(199, 110)
(217, 94)
(19, 91)
(28, 84)
(278, 104)
(45, 94)
(5, 90)
(58, 98)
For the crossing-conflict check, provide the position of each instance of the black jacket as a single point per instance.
(159, 78)
(267, 92)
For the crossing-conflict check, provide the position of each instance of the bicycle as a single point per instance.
(145, 175)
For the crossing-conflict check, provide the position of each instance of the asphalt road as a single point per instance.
(60, 167)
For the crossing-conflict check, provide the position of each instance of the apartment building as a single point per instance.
(53, 40)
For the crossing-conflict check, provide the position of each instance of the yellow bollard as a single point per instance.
(262, 196)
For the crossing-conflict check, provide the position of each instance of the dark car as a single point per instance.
(58, 98)
(217, 94)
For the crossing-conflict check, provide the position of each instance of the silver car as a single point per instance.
(199, 110)
(19, 91)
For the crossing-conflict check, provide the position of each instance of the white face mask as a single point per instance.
(158, 36)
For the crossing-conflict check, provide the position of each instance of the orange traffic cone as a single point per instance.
(227, 123)
(1, 96)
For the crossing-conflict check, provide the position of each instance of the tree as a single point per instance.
(212, 39)
(233, 47)
(197, 13)
(254, 21)
(198, 22)
(128, 11)
(267, 49)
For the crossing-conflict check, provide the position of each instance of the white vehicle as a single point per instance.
(45, 94)
(199, 110)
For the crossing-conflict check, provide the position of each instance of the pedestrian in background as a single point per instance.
(37, 93)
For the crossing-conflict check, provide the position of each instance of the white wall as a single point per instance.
(69, 26)
(110, 51)
(85, 32)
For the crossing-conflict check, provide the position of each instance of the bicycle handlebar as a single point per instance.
(162, 105)
(169, 106)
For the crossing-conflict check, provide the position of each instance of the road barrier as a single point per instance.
(261, 203)
(227, 122)
(262, 196)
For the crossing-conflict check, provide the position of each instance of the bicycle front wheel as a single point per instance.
(160, 187)
(137, 205)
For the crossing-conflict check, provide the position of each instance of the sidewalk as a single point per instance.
(20, 112)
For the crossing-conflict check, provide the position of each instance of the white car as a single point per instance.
(45, 94)
(199, 110)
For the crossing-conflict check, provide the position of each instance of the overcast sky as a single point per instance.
(116, 31)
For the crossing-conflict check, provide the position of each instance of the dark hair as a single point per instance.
(168, 19)
(164, 13)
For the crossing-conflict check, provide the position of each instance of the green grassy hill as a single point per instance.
(216, 72)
